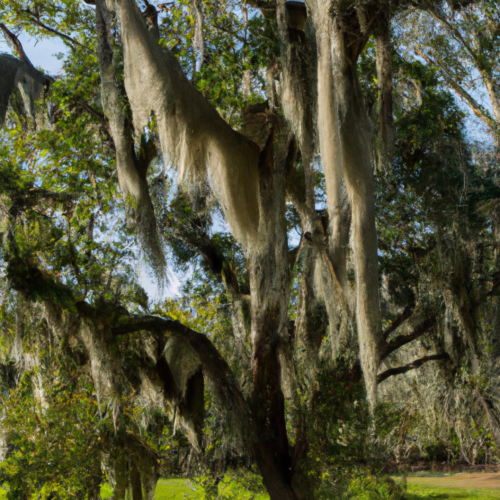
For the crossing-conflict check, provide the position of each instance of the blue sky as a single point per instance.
(41, 53)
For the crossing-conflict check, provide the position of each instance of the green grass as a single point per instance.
(183, 489)
(171, 489)
(417, 492)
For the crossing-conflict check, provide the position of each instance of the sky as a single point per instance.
(43, 54)
(40, 54)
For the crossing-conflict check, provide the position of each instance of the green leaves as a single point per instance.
(55, 437)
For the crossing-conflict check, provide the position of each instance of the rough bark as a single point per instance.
(269, 285)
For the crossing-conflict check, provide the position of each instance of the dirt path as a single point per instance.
(482, 481)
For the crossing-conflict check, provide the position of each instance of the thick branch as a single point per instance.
(17, 45)
(412, 366)
(424, 327)
(131, 170)
(193, 135)
(398, 322)
(214, 365)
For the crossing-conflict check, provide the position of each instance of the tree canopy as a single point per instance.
(324, 177)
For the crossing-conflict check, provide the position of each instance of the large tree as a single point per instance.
(257, 163)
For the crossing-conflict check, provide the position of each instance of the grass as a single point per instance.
(183, 489)
(417, 492)
(171, 489)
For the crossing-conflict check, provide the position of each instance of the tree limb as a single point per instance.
(93, 112)
(477, 109)
(424, 327)
(17, 45)
(68, 38)
(398, 322)
(214, 365)
(412, 366)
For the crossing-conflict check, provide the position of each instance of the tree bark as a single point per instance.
(355, 139)
(269, 285)
(330, 147)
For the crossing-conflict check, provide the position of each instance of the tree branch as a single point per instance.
(424, 327)
(17, 45)
(37, 21)
(398, 322)
(412, 366)
(93, 112)
(214, 365)
(455, 33)
(477, 109)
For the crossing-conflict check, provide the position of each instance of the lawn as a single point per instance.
(171, 489)
(419, 488)
(484, 486)
(417, 492)
(183, 489)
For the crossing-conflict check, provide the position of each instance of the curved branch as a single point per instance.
(395, 344)
(477, 109)
(412, 366)
(193, 135)
(213, 363)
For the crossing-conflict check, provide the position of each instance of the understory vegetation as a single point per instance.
(321, 178)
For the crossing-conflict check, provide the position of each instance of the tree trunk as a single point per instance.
(331, 154)
(355, 140)
(310, 324)
(269, 285)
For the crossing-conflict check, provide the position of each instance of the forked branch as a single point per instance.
(424, 327)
